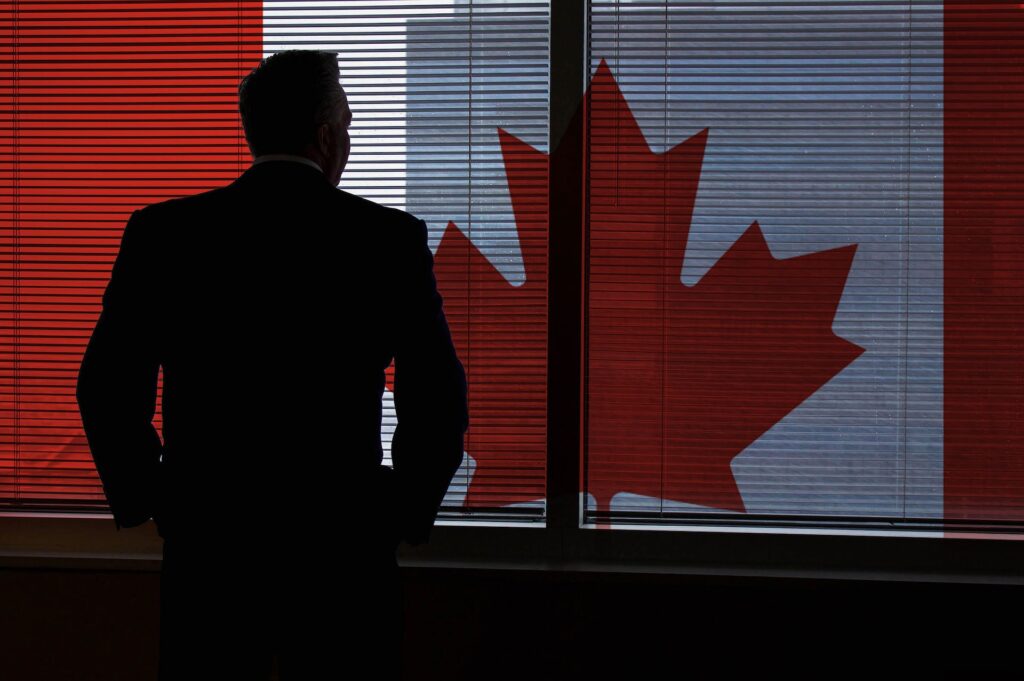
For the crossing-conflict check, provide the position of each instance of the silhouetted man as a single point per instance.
(274, 305)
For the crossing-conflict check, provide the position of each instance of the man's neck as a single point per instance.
(287, 157)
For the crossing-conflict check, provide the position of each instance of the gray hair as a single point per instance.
(287, 97)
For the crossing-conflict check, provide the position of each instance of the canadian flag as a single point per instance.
(833, 323)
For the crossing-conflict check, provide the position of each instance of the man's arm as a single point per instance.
(431, 397)
(117, 382)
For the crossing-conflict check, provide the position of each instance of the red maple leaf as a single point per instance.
(500, 335)
(680, 379)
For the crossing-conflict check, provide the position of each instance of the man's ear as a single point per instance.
(324, 139)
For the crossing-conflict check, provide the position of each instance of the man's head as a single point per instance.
(293, 103)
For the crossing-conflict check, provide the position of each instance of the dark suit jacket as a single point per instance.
(273, 305)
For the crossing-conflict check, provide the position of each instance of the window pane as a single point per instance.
(449, 101)
(432, 89)
(765, 266)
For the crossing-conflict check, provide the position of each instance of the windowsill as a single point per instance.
(91, 541)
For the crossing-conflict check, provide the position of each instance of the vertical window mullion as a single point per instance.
(565, 261)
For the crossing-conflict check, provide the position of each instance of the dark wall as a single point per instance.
(481, 625)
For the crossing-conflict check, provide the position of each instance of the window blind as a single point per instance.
(104, 107)
(109, 106)
(770, 229)
(450, 104)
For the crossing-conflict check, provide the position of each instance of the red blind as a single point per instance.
(984, 261)
(104, 107)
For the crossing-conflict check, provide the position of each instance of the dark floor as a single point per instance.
(482, 625)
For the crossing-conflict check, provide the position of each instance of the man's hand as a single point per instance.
(117, 381)
(430, 392)
(390, 505)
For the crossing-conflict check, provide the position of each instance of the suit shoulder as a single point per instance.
(398, 223)
(183, 204)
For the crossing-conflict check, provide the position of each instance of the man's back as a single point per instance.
(274, 306)
(279, 320)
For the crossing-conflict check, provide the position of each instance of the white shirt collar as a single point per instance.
(287, 157)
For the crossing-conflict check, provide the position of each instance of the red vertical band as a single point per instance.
(984, 261)
(117, 105)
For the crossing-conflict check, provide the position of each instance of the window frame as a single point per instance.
(563, 542)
